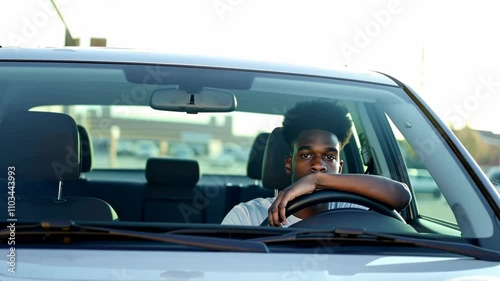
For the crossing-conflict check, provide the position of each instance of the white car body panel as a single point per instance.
(34, 264)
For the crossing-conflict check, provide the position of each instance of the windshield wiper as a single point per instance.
(350, 234)
(70, 228)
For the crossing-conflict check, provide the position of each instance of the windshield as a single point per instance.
(151, 166)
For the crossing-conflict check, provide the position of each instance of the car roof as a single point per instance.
(116, 55)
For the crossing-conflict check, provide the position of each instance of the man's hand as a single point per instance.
(277, 210)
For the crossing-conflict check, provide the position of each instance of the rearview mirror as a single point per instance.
(207, 100)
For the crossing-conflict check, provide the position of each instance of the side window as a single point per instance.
(428, 197)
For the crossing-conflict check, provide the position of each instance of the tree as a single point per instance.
(485, 154)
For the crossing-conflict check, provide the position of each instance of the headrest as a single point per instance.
(254, 165)
(40, 146)
(172, 172)
(86, 150)
(273, 170)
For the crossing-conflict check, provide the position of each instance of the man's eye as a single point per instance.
(330, 157)
(306, 156)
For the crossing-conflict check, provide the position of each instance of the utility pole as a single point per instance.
(69, 40)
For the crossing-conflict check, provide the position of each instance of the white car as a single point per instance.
(160, 219)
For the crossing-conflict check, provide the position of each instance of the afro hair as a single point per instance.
(320, 115)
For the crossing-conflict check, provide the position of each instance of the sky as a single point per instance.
(448, 51)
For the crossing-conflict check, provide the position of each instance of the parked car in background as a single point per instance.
(231, 153)
(159, 218)
(494, 176)
(182, 151)
(422, 182)
(126, 148)
(146, 149)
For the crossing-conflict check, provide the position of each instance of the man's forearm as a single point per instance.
(382, 189)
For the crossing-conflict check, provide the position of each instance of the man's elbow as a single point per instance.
(404, 196)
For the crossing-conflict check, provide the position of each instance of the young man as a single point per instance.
(316, 132)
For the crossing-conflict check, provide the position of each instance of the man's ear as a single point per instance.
(341, 164)
(288, 165)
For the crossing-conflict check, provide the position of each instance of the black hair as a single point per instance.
(317, 114)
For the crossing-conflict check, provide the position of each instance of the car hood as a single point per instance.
(38, 264)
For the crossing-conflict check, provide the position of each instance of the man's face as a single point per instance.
(314, 151)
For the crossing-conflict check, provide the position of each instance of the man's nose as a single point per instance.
(317, 165)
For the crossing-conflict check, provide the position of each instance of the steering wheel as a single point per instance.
(323, 196)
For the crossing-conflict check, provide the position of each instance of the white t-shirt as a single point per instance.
(254, 212)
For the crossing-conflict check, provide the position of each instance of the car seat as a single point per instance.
(42, 149)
